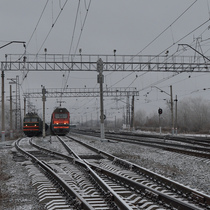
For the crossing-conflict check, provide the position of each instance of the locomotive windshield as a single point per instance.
(31, 120)
(61, 116)
(34, 119)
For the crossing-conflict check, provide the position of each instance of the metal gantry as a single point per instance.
(83, 62)
(62, 62)
(85, 92)
(81, 92)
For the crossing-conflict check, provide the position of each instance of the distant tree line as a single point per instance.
(193, 115)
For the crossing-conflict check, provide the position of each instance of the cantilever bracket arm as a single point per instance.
(195, 51)
(11, 43)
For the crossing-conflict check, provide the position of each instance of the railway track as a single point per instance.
(63, 184)
(112, 183)
(190, 147)
(148, 177)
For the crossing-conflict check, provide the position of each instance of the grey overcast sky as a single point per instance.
(147, 27)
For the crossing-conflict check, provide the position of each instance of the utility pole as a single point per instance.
(2, 91)
(2, 104)
(16, 105)
(11, 128)
(132, 113)
(43, 99)
(172, 112)
(2, 107)
(19, 106)
(160, 111)
(101, 81)
(13, 81)
(18, 121)
(176, 100)
(24, 106)
(128, 112)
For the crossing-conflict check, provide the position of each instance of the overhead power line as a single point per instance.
(53, 24)
(38, 22)
(168, 27)
(84, 21)
(75, 23)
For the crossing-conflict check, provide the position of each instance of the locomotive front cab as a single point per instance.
(31, 126)
(61, 122)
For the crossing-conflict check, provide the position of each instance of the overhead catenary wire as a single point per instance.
(173, 54)
(64, 85)
(27, 44)
(53, 24)
(80, 35)
(168, 27)
(37, 22)
(74, 29)
(70, 49)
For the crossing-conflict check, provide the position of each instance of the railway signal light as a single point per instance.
(160, 111)
(104, 117)
(100, 65)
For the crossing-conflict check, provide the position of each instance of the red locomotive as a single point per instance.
(60, 121)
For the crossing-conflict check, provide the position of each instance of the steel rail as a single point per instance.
(204, 152)
(50, 152)
(116, 198)
(109, 192)
(160, 145)
(145, 190)
(190, 140)
(140, 188)
(166, 145)
(170, 184)
(64, 185)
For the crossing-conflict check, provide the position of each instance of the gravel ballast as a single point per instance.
(17, 193)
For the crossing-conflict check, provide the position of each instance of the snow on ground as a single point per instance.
(17, 193)
(191, 171)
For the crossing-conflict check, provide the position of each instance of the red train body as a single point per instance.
(60, 121)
